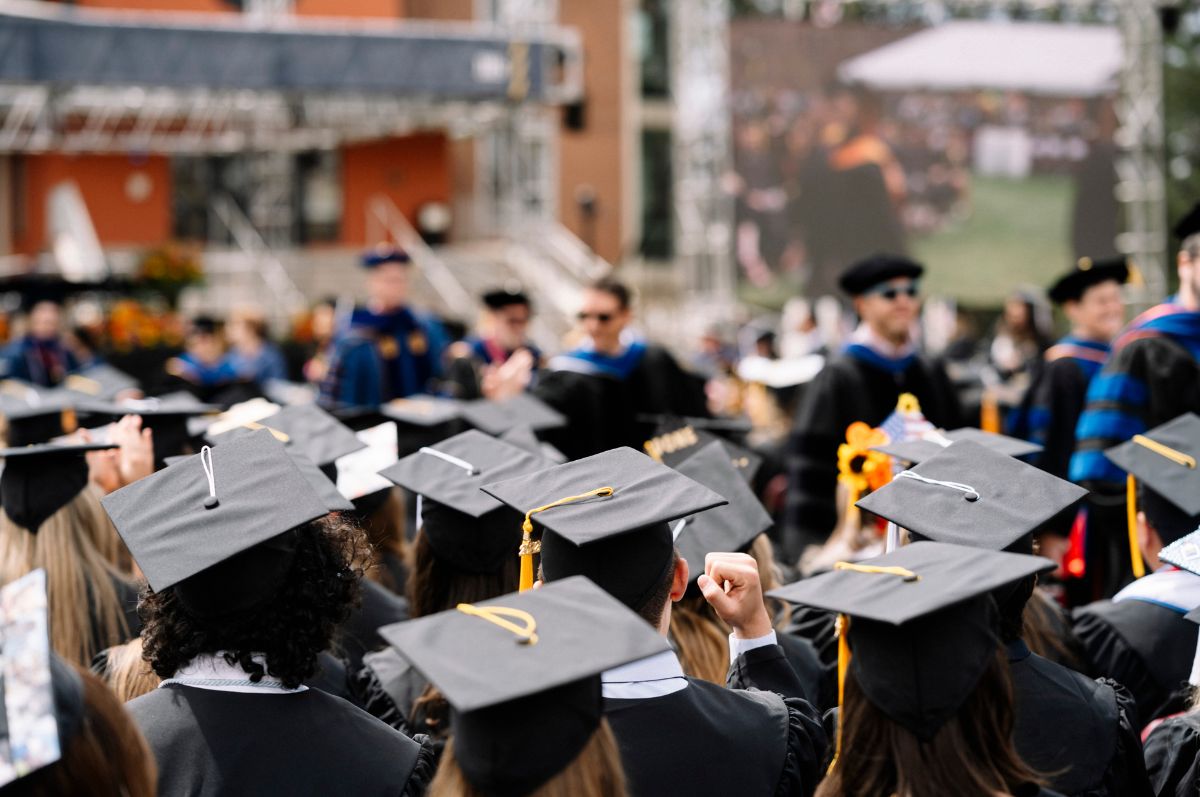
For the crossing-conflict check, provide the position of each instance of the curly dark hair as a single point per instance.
(321, 587)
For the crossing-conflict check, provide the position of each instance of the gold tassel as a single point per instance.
(843, 627)
(1135, 551)
(529, 547)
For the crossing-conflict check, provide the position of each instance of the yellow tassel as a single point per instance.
(529, 547)
(843, 627)
(1135, 551)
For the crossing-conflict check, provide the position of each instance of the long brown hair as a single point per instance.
(385, 531)
(1044, 633)
(106, 756)
(972, 755)
(436, 585)
(701, 639)
(126, 673)
(595, 772)
(83, 600)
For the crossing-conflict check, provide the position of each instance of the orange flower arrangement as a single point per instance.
(860, 468)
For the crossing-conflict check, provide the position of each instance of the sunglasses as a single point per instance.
(892, 292)
(603, 318)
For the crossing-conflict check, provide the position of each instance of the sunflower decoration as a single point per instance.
(859, 468)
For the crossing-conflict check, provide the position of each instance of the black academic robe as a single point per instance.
(1146, 647)
(603, 411)
(1100, 754)
(1173, 756)
(359, 635)
(209, 742)
(1060, 389)
(849, 389)
(707, 739)
(388, 687)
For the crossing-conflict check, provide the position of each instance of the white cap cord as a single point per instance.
(210, 474)
(461, 463)
(971, 493)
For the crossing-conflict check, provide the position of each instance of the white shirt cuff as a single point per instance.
(739, 646)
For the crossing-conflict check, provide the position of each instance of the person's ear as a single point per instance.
(679, 581)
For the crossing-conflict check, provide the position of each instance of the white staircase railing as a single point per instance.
(285, 297)
(385, 223)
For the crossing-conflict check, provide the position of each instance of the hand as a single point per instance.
(135, 455)
(730, 585)
(510, 378)
(102, 466)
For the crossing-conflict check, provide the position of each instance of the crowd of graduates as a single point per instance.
(453, 564)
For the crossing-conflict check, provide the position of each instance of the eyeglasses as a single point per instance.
(603, 318)
(892, 292)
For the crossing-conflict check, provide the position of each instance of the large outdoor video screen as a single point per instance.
(984, 150)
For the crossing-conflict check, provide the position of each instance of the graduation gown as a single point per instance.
(1052, 406)
(359, 635)
(1101, 755)
(1173, 756)
(707, 739)
(602, 398)
(858, 385)
(209, 742)
(1152, 377)
(1147, 647)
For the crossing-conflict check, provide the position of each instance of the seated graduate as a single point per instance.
(1173, 744)
(1140, 637)
(700, 636)
(973, 496)
(61, 731)
(51, 519)
(607, 517)
(607, 384)
(532, 721)
(311, 432)
(252, 354)
(249, 576)
(41, 357)
(926, 699)
(465, 551)
(503, 333)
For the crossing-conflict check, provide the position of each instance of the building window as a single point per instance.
(319, 196)
(654, 48)
(657, 188)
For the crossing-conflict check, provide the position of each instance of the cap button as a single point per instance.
(211, 502)
(972, 497)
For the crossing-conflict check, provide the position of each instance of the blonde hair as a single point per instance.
(85, 611)
(385, 529)
(126, 673)
(700, 639)
(595, 772)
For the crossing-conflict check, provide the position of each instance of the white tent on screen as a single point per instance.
(1037, 59)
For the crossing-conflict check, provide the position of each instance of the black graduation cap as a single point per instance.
(1165, 460)
(522, 436)
(1184, 553)
(732, 527)
(866, 274)
(1189, 224)
(384, 253)
(322, 485)
(41, 703)
(165, 416)
(675, 439)
(922, 626)
(932, 444)
(607, 517)
(466, 526)
(314, 433)
(29, 424)
(101, 381)
(503, 297)
(1087, 272)
(39, 480)
(285, 393)
(522, 718)
(214, 526)
(422, 420)
(972, 495)
(497, 417)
